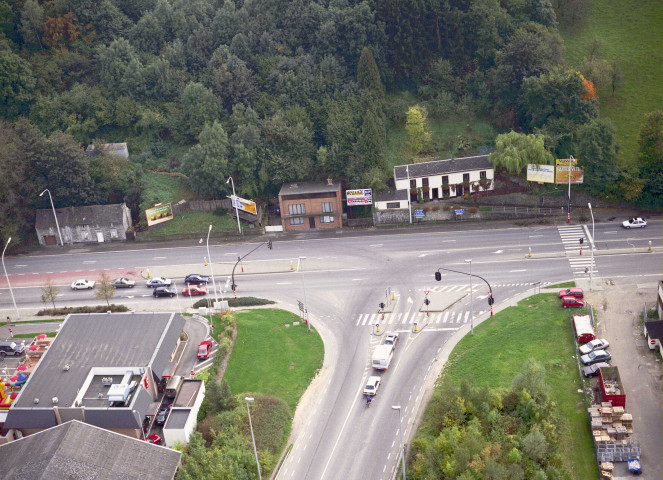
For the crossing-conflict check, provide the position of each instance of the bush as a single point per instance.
(447, 208)
(456, 207)
(84, 309)
(436, 208)
(426, 209)
(473, 209)
(237, 302)
(220, 212)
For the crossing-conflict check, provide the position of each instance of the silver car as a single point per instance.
(595, 357)
(596, 344)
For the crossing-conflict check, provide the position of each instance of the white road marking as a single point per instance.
(284, 283)
(377, 245)
(500, 251)
(91, 261)
(516, 271)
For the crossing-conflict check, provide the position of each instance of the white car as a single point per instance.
(596, 344)
(634, 223)
(391, 339)
(83, 285)
(372, 385)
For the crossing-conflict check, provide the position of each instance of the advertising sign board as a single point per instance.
(240, 203)
(562, 174)
(540, 173)
(362, 196)
(159, 213)
(419, 213)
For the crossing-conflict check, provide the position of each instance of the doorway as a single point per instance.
(100, 237)
(311, 222)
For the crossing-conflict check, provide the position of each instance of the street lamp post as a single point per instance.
(471, 305)
(234, 201)
(255, 451)
(177, 294)
(57, 225)
(308, 323)
(210, 265)
(18, 315)
(568, 210)
(400, 419)
(591, 266)
(409, 195)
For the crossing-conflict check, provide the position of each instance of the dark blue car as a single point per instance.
(196, 279)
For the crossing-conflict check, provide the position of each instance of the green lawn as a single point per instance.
(537, 328)
(195, 222)
(630, 34)
(272, 359)
(164, 188)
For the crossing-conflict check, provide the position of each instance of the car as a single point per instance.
(634, 223)
(196, 279)
(164, 292)
(595, 356)
(593, 370)
(154, 438)
(123, 283)
(596, 344)
(391, 339)
(10, 347)
(194, 290)
(568, 301)
(571, 292)
(83, 285)
(372, 385)
(204, 349)
(162, 415)
(158, 282)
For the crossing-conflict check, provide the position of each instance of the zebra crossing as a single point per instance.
(396, 320)
(580, 264)
(466, 288)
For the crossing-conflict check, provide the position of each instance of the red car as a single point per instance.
(154, 438)
(571, 292)
(204, 349)
(194, 290)
(572, 302)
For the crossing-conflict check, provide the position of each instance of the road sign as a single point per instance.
(419, 213)
(11, 332)
(459, 211)
(653, 342)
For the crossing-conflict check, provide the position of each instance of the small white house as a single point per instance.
(445, 178)
(390, 199)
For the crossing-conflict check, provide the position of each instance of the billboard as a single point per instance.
(362, 196)
(159, 213)
(565, 168)
(541, 173)
(248, 206)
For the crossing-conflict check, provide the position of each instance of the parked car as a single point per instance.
(596, 344)
(83, 285)
(634, 223)
(572, 302)
(10, 347)
(158, 282)
(194, 290)
(391, 339)
(164, 292)
(196, 279)
(372, 385)
(123, 283)
(571, 292)
(162, 415)
(204, 349)
(154, 438)
(595, 356)
(593, 370)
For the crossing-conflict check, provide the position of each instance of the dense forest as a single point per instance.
(272, 91)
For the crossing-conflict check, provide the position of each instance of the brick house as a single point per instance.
(310, 205)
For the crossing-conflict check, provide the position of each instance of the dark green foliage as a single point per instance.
(650, 156)
(85, 309)
(16, 83)
(237, 302)
(596, 149)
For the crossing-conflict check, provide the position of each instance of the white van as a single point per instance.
(173, 387)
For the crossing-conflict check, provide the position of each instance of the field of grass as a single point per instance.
(195, 223)
(538, 328)
(162, 188)
(629, 33)
(272, 359)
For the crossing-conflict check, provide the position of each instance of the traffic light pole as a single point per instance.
(491, 300)
(239, 259)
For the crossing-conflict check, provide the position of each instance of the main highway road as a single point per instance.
(345, 275)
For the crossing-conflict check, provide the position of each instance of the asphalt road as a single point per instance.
(345, 277)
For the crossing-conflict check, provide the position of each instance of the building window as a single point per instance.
(327, 219)
(297, 221)
(466, 177)
(413, 183)
(424, 182)
(327, 207)
(482, 174)
(393, 204)
(445, 179)
(85, 234)
(297, 209)
(113, 232)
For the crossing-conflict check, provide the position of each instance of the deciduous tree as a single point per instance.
(650, 156)
(105, 289)
(416, 126)
(514, 151)
(49, 292)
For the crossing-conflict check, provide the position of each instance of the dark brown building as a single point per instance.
(309, 205)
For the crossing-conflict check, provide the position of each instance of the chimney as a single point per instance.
(329, 181)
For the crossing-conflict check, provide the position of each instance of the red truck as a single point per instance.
(611, 386)
(582, 324)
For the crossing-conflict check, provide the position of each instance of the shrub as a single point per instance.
(237, 302)
(426, 209)
(84, 309)
(472, 209)
(436, 208)
(447, 208)
(456, 206)
(220, 212)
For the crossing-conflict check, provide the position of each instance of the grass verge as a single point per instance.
(538, 328)
(194, 223)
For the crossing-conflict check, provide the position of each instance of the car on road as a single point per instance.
(571, 292)
(154, 438)
(391, 339)
(162, 415)
(634, 223)
(595, 356)
(194, 290)
(196, 279)
(204, 349)
(372, 385)
(593, 370)
(10, 347)
(596, 344)
(123, 283)
(164, 292)
(83, 284)
(158, 282)
(569, 301)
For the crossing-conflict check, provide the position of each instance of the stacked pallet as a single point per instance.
(606, 469)
(612, 430)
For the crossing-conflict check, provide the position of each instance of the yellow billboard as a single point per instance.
(159, 213)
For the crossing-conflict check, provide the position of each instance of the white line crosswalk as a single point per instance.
(410, 318)
(582, 263)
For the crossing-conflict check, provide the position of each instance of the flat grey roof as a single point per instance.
(390, 195)
(442, 167)
(188, 393)
(298, 188)
(85, 452)
(177, 418)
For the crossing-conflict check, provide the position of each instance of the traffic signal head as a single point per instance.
(234, 287)
(438, 276)
(381, 304)
(581, 240)
(427, 302)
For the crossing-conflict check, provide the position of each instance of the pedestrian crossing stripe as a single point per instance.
(581, 266)
(466, 288)
(410, 318)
